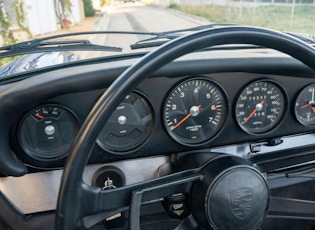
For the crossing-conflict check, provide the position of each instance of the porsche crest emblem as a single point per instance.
(241, 201)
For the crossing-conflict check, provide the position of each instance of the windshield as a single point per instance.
(115, 21)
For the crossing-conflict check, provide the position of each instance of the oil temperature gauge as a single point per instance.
(47, 132)
(305, 106)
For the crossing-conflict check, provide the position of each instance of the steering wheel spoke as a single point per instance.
(100, 204)
(281, 207)
(189, 223)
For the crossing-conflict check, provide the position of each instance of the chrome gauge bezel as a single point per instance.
(134, 146)
(56, 152)
(192, 108)
(258, 104)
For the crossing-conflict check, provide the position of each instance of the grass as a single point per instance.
(4, 61)
(270, 16)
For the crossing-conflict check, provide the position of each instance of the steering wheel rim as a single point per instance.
(68, 208)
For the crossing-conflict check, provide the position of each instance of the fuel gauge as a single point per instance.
(305, 106)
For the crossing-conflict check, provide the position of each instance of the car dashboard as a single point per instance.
(256, 104)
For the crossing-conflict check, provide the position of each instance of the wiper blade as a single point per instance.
(310, 39)
(163, 37)
(42, 45)
(45, 45)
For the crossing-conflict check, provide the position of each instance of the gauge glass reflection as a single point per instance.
(260, 107)
(194, 111)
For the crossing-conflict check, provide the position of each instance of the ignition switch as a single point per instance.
(110, 177)
(176, 205)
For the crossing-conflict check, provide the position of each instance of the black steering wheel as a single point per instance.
(217, 198)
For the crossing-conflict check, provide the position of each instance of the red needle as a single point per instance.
(304, 106)
(252, 113)
(184, 119)
(38, 115)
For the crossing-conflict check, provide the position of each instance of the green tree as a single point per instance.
(89, 11)
(5, 23)
(20, 17)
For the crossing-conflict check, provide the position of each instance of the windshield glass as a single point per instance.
(22, 20)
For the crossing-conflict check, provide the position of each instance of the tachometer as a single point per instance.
(260, 107)
(194, 111)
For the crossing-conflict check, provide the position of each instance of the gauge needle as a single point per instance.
(253, 112)
(304, 106)
(38, 115)
(184, 119)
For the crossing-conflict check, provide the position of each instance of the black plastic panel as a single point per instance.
(79, 87)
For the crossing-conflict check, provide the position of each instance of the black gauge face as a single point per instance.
(47, 132)
(194, 111)
(259, 107)
(305, 106)
(128, 127)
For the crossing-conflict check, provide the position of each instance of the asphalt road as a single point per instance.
(140, 17)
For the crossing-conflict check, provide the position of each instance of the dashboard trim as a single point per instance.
(38, 192)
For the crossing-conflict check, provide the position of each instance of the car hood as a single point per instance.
(37, 61)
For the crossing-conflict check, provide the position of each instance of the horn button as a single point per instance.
(231, 195)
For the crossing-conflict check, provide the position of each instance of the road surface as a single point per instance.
(140, 17)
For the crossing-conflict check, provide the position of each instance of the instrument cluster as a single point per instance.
(193, 112)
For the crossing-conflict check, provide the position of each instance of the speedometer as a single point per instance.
(260, 107)
(194, 111)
